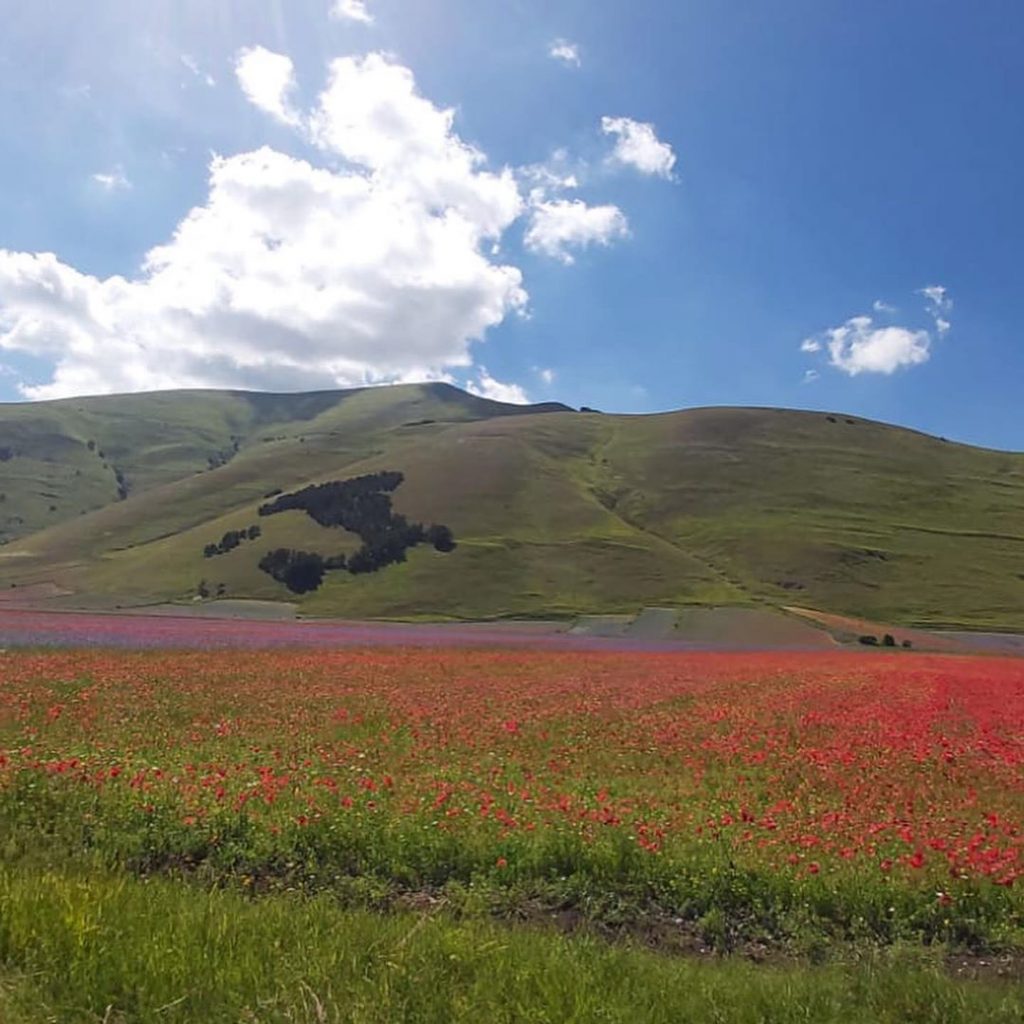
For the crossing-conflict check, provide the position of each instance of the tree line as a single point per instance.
(361, 505)
(231, 540)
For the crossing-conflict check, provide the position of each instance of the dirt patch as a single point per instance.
(989, 967)
(678, 937)
(751, 628)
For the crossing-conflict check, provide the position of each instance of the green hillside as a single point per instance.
(556, 512)
(64, 458)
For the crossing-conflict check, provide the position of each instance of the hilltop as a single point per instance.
(555, 512)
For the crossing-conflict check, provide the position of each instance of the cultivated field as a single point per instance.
(437, 834)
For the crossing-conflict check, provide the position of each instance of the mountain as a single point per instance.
(555, 512)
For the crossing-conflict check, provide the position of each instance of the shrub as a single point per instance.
(441, 537)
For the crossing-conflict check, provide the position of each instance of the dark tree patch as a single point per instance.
(299, 571)
(360, 505)
(231, 540)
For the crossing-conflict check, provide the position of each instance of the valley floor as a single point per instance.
(254, 624)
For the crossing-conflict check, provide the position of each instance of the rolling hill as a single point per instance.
(556, 512)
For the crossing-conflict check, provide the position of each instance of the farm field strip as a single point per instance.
(761, 798)
(27, 628)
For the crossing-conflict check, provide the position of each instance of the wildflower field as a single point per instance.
(782, 804)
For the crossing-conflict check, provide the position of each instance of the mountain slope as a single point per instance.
(558, 513)
(61, 459)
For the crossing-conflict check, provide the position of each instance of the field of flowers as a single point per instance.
(766, 798)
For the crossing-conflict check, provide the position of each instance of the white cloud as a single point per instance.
(939, 305)
(561, 224)
(546, 375)
(371, 115)
(353, 10)
(268, 81)
(290, 275)
(810, 376)
(487, 387)
(637, 145)
(938, 298)
(553, 176)
(858, 346)
(113, 180)
(565, 52)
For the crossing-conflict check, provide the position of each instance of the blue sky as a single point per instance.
(688, 204)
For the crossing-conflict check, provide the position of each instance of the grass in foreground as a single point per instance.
(82, 949)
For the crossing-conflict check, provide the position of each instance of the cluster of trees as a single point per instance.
(361, 505)
(123, 487)
(231, 540)
(299, 571)
(870, 640)
(224, 455)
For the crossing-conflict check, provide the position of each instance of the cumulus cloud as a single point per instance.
(371, 115)
(351, 10)
(268, 81)
(858, 346)
(487, 387)
(861, 346)
(113, 180)
(565, 53)
(380, 262)
(558, 225)
(546, 375)
(637, 145)
(290, 275)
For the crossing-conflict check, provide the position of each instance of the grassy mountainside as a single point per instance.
(556, 512)
(61, 459)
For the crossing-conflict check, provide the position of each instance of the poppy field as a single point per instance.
(749, 800)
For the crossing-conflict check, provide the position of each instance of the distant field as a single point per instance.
(231, 624)
(799, 808)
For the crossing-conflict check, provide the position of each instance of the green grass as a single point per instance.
(557, 513)
(80, 948)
